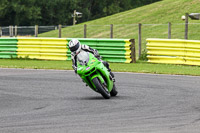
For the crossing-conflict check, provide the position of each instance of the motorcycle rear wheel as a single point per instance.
(104, 92)
(114, 91)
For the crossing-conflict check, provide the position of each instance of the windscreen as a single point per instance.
(83, 57)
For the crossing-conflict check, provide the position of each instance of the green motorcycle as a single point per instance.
(95, 74)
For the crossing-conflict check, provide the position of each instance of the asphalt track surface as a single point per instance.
(53, 101)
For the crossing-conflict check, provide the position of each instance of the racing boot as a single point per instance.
(112, 75)
(85, 83)
(106, 64)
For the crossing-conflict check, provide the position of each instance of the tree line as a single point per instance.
(54, 12)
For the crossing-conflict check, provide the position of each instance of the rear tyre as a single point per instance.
(104, 92)
(114, 91)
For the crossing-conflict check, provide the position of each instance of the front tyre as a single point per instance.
(101, 89)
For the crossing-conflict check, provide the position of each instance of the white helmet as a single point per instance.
(75, 46)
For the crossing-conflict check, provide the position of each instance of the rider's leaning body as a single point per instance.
(75, 47)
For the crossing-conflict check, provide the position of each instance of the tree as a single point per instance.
(20, 12)
(54, 12)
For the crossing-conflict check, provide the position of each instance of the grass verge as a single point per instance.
(139, 67)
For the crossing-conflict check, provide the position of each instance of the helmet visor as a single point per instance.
(74, 48)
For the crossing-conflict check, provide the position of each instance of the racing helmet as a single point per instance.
(75, 46)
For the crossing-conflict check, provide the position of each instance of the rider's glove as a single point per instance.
(96, 54)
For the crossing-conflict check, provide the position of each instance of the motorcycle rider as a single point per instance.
(75, 47)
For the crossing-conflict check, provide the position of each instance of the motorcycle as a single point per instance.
(95, 74)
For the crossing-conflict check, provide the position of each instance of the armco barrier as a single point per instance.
(112, 50)
(173, 51)
(42, 48)
(8, 48)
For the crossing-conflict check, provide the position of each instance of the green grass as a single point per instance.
(139, 67)
(35, 64)
(154, 19)
(144, 67)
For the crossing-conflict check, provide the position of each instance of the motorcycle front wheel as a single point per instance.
(101, 89)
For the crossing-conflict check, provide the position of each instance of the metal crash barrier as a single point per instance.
(173, 51)
(112, 50)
